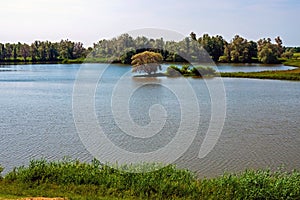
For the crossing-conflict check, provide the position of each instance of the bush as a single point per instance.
(173, 71)
(186, 71)
(203, 71)
(223, 59)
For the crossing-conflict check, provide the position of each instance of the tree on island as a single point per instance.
(147, 61)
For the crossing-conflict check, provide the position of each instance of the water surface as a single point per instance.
(261, 128)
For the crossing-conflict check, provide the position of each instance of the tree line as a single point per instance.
(122, 48)
(41, 51)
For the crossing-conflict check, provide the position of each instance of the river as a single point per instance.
(261, 128)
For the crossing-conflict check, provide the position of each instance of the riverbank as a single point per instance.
(72, 179)
(29, 62)
(293, 75)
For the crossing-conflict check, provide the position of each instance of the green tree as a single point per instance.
(226, 55)
(252, 46)
(193, 36)
(66, 49)
(9, 50)
(34, 50)
(239, 50)
(279, 47)
(53, 52)
(25, 51)
(78, 50)
(15, 52)
(288, 53)
(203, 71)
(2, 52)
(148, 62)
(267, 52)
(126, 57)
(42, 51)
(213, 45)
(218, 44)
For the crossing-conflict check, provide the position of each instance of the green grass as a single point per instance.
(75, 180)
(292, 62)
(293, 75)
(297, 55)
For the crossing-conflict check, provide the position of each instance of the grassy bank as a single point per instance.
(207, 72)
(293, 75)
(292, 62)
(76, 180)
(199, 71)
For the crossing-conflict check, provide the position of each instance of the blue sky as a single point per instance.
(91, 20)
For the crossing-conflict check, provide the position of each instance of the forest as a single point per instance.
(120, 49)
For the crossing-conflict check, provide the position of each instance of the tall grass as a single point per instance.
(73, 179)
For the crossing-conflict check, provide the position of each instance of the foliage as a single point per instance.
(268, 52)
(186, 70)
(214, 45)
(148, 62)
(122, 48)
(173, 71)
(296, 49)
(75, 180)
(203, 71)
(42, 51)
(239, 50)
(288, 54)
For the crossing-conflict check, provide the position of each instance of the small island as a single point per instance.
(149, 63)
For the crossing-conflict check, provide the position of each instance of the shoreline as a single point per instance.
(71, 179)
(292, 63)
(291, 74)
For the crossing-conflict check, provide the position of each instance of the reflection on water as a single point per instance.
(261, 128)
(147, 79)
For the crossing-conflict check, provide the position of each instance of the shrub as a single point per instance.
(203, 71)
(173, 71)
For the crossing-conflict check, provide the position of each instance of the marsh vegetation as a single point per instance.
(76, 180)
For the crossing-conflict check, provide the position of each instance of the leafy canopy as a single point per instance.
(147, 61)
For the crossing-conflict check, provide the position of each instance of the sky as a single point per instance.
(89, 21)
